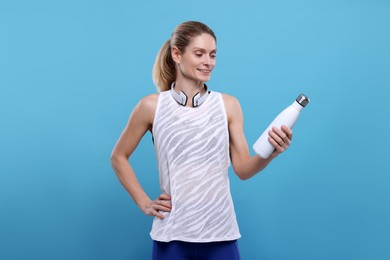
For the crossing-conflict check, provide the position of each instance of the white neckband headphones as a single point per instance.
(182, 98)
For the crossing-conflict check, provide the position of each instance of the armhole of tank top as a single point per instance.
(226, 124)
(156, 112)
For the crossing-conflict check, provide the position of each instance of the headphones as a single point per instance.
(182, 98)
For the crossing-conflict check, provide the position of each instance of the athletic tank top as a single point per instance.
(192, 150)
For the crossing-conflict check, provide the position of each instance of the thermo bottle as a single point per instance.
(287, 117)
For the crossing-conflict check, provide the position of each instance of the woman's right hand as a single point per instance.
(162, 203)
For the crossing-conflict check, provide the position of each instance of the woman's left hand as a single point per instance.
(280, 138)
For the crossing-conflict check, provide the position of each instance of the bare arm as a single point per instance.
(140, 121)
(245, 165)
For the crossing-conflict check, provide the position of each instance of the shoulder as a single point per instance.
(146, 107)
(232, 106)
(230, 100)
(149, 101)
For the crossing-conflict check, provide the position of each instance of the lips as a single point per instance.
(204, 71)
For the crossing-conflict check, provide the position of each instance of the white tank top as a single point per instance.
(192, 149)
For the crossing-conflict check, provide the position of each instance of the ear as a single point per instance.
(176, 54)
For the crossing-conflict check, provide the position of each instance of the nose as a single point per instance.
(208, 61)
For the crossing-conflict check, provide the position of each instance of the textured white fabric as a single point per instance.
(192, 149)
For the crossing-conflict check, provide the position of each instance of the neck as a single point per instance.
(190, 87)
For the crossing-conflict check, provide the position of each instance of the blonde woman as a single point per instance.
(197, 133)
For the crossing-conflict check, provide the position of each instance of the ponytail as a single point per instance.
(164, 69)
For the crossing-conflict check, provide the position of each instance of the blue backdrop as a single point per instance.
(72, 71)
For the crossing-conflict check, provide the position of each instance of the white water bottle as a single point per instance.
(287, 117)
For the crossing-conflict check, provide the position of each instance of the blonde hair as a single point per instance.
(164, 69)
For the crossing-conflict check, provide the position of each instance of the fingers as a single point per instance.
(278, 148)
(287, 131)
(280, 138)
(156, 212)
(162, 206)
(164, 197)
(159, 215)
(162, 203)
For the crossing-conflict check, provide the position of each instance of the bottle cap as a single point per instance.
(302, 100)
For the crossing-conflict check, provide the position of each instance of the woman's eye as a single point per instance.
(198, 54)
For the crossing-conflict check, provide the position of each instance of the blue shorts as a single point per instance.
(179, 250)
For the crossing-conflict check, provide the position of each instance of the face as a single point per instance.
(199, 58)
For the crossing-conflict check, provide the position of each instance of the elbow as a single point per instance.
(118, 161)
(242, 175)
(115, 160)
(242, 166)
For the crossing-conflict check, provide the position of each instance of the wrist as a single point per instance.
(143, 205)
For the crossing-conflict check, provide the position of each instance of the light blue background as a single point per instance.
(72, 71)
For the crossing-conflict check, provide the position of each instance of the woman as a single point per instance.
(197, 133)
